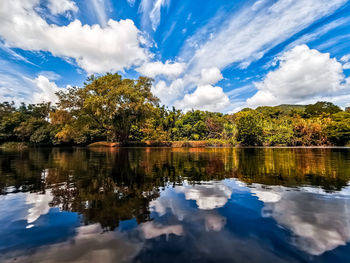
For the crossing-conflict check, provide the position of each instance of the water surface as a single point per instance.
(175, 205)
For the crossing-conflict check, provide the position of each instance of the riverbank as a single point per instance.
(199, 144)
(19, 146)
(173, 144)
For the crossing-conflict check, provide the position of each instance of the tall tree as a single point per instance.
(111, 103)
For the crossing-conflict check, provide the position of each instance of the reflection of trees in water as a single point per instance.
(107, 186)
(22, 170)
(325, 167)
(110, 186)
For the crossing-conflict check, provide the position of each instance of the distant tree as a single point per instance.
(271, 112)
(321, 107)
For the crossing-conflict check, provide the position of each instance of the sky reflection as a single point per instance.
(218, 220)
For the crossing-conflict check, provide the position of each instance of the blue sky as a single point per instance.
(215, 55)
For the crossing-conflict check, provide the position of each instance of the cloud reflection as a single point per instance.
(39, 205)
(318, 221)
(153, 230)
(90, 244)
(207, 196)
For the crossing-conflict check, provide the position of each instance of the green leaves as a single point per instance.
(249, 128)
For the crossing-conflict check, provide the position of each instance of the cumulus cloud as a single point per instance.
(95, 49)
(204, 98)
(210, 76)
(61, 6)
(45, 90)
(231, 43)
(168, 93)
(168, 69)
(303, 73)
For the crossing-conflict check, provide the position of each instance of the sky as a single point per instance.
(214, 55)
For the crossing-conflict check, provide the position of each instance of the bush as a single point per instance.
(14, 146)
(217, 143)
(249, 128)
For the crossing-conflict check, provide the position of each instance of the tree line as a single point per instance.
(115, 109)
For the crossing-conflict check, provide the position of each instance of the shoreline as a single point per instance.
(166, 144)
(197, 144)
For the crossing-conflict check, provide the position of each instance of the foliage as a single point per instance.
(321, 107)
(249, 128)
(109, 103)
(113, 109)
(339, 128)
(279, 132)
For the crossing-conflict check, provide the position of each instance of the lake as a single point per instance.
(175, 205)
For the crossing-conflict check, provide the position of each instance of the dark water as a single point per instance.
(175, 205)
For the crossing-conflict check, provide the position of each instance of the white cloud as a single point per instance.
(302, 74)
(245, 36)
(14, 54)
(99, 8)
(346, 66)
(45, 90)
(167, 94)
(345, 58)
(306, 38)
(210, 76)
(50, 75)
(168, 69)
(151, 10)
(11, 78)
(61, 6)
(250, 32)
(95, 49)
(204, 98)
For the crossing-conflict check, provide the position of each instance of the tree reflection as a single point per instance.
(108, 186)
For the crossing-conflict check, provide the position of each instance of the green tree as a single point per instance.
(110, 103)
(339, 128)
(321, 107)
(249, 128)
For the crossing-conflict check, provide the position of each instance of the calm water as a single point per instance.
(175, 205)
